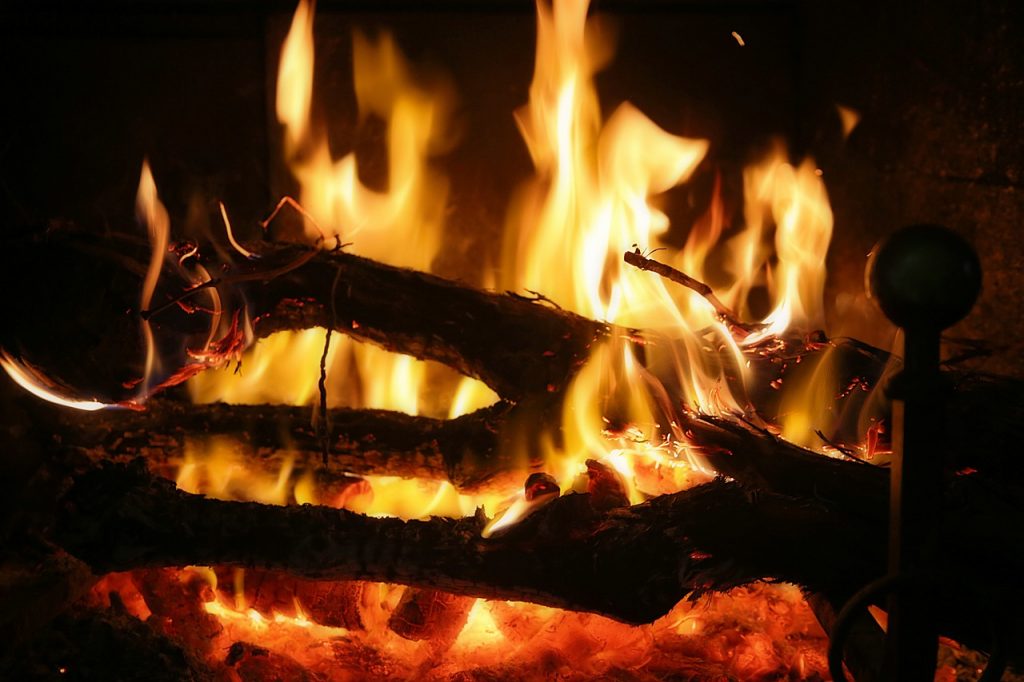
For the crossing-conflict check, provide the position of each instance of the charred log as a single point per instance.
(176, 608)
(517, 345)
(632, 563)
(522, 347)
(468, 451)
(253, 663)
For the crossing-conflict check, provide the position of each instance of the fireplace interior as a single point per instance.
(603, 395)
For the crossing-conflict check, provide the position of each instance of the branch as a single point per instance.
(638, 260)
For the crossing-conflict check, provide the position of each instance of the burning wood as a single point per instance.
(430, 614)
(628, 402)
(330, 603)
(632, 563)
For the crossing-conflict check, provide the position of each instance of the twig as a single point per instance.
(254, 275)
(638, 260)
(325, 427)
(535, 297)
(288, 201)
(838, 447)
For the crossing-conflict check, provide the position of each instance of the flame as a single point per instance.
(848, 118)
(33, 381)
(589, 200)
(598, 190)
(803, 221)
(152, 214)
(402, 225)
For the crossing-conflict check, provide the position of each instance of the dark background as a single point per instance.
(91, 88)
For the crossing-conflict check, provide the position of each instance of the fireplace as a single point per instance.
(582, 337)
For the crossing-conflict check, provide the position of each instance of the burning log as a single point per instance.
(467, 451)
(765, 462)
(470, 451)
(517, 345)
(524, 348)
(632, 564)
(330, 603)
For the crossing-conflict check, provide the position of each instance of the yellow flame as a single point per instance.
(471, 395)
(217, 467)
(295, 76)
(589, 201)
(807, 407)
(153, 215)
(401, 224)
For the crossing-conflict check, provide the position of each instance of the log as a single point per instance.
(764, 461)
(524, 348)
(467, 451)
(632, 564)
(472, 451)
(517, 345)
(253, 663)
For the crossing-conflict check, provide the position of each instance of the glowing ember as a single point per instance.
(764, 632)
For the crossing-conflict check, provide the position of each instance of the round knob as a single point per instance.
(924, 277)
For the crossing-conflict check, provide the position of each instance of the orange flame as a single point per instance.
(151, 213)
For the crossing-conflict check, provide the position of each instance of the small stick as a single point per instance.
(638, 260)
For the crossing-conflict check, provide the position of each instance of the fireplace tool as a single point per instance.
(925, 278)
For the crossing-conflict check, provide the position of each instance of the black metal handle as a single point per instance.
(925, 278)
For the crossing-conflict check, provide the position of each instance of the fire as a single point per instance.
(153, 215)
(596, 193)
(401, 224)
(36, 383)
(599, 189)
(595, 196)
(766, 632)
